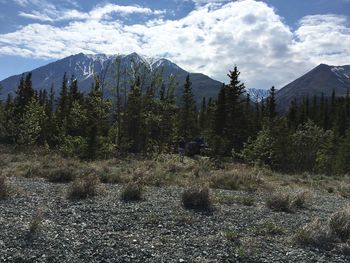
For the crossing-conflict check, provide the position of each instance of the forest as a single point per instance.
(144, 117)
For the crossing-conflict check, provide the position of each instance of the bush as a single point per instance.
(280, 202)
(4, 192)
(36, 222)
(286, 202)
(299, 199)
(339, 224)
(132, 192)
(315, 233)
(62, 174)
(84, 187)
(197, 199)
(235, 181)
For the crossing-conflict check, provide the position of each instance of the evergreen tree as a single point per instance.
(272, 104)
(188, 113)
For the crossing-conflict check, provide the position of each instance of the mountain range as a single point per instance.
(320, 80)
(84, 66)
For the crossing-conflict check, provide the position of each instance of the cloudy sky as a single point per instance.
(272, 41)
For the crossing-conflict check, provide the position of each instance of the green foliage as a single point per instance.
(31, 123)
(305, 145)
(73, 146)
(188, 127)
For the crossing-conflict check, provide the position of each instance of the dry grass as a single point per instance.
(133, 191)
(84, 187)
(315, 233)
(334, 234)
(36, 222)
(339, 224)
(284, 201)
(236, 179)
(162, 170)
(4, 191)
(197, 198)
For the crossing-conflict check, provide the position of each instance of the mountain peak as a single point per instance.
(321, 80)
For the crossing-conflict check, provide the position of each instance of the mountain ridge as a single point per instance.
(84, 66)
(322, 79)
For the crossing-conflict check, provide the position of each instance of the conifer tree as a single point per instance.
(188, 113)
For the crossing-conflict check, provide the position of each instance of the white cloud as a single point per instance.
(51, 14)
(211, 39)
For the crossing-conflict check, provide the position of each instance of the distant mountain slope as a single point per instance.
(83, 67)
(322, 79)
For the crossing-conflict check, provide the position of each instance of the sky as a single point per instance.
(272, 42)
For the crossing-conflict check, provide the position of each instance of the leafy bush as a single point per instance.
(84, 187)
(197, 199)
(73, 146)
(306, 144)
(132, 192)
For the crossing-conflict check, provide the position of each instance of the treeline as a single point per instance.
(146, 119)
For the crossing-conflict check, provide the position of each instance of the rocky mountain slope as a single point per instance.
(84, 66)
(322, 79)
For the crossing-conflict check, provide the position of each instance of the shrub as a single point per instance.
(62, 174)
(236, 181)
(279, 201)
(315, 233)
(339, 224)
(4, 192)
(84, 187)
(36, 222)
(299, 199)
(132, 192)
(196, 198)
(286, 202)
(269, 228)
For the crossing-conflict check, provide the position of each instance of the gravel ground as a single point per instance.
(105, 229)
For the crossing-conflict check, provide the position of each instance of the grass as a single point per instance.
(133, 191)
(36, 222)
(280, 201)
(335, 233)
(226, 199)
(4, 191)
(197, 198)
(83, 187)
(269, 229)
(339, 224)
(63, 174)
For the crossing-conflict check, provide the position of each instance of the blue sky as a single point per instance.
(272, 41)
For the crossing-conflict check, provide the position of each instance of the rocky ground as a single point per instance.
(39, 224)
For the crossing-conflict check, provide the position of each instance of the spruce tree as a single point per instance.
(188, 113)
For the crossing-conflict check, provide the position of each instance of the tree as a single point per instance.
(235, 123)
(132, 121)
(220, 113)
(272, 104)
(31, 123)
(188, 128)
